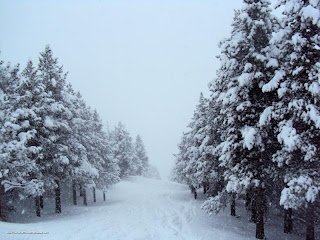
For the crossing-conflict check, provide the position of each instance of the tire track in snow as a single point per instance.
(178, 214)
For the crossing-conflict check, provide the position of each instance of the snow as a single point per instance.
(303, 185)
(4, 173)
(282, 90)
(24, 136)
(248, 134)
(288, 136)
(49, 123)
(314, 114)
(312, 194)
(297, 70)
(248, 67)
(273, 63)
(15, 127)
(274, 82)
(288, 200)
(265, 116)
(314, 2)
(53, 82)
(25, 124)
(245, 79)
(297, 39)
(140, 208)
(314, 88)
(243, 105)
(64, 160)
(311, 13)
(260, 57)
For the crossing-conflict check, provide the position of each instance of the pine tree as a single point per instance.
(141, 155)
(56, 130)
(103, 159)
(49, 136)
(245, 67)
(122, 148)
(32, 93)
(199, 139)
(192, 154)
(296, 46)
(8, 87)
(178, 172)
(81, 171)
(19, 147)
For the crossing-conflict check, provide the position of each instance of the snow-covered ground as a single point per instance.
(141, 209)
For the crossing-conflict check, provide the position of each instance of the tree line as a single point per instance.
(257, 137)
(50, 136)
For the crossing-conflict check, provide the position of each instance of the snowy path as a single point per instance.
(139, 209)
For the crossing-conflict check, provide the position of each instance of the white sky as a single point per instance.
(140, 62)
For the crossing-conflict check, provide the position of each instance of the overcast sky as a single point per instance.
(143, 63)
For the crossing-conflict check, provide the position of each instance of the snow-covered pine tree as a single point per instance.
(48, 136)
(178, 171)
(56, 129)
(141, 154)
(185, 162)
(199, 136)
(4, 76)
(19, 147)
(81, 171)
(245, 146)
(9, 83)
(122, 149)
(102, 154)
(32, 94)
(296, 47)
(190, 157)
(192, 147)
(211, 153)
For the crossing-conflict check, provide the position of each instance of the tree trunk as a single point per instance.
(260, 213)
(288, 224)
(233, 205)
(205, 188)
(58, 197)
(37, 203)
(310, 222)
(74, 193)
(84, 195)
(41, 201)
(195, 194)
(81, 190)
(104, 196)
(253, 209)
(191, 189)
(3, 210)
(94, 194)
(248, 200)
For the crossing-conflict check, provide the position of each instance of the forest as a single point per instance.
(251, 147)
(257, 136)
(50, 136)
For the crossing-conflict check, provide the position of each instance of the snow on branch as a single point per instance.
(274, 82)
(249, 137)
(34, 187)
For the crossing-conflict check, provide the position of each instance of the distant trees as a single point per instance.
(49, 136)
(259, 134)
(123, 149)
(142, 160)
(152, 172)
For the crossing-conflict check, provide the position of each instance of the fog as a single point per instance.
(143, 63)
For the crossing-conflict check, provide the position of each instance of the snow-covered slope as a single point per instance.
(140, 208)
